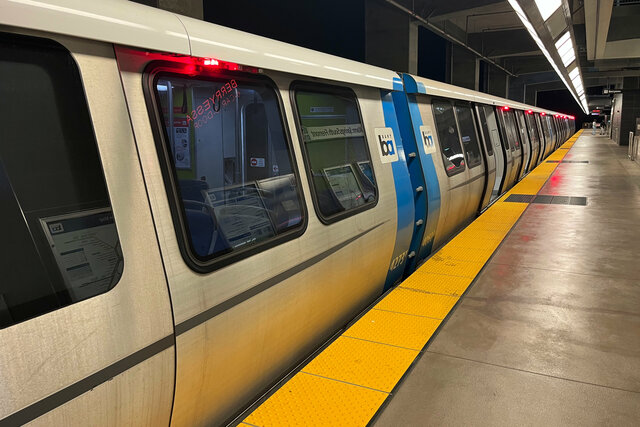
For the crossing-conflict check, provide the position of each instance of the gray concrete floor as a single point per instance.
(549, 334)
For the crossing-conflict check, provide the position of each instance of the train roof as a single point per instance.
(417, 84)
(131, 24)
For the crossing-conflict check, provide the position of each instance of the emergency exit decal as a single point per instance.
(386, 145)
(427, 139)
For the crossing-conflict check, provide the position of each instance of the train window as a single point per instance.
(533, 132)
(547, 125)
(543, 139)
(505, 132)
(59, 240)
(468, 135)
(448, 137)
(336, 151)
(482, 116)
(236, 190)
(512, 126)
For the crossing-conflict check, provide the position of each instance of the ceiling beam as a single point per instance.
(442, 10)
(612, 73)
(597, 16)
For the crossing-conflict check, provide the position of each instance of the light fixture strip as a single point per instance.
(547, 7)
(564, 44)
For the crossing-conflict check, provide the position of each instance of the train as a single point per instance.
(189, 211)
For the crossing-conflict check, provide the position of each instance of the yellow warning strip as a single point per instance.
(347, 382)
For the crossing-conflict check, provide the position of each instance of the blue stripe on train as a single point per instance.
(404, 196)
(428, 167)
(417, 177)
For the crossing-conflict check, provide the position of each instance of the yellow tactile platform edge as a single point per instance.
(347, 382)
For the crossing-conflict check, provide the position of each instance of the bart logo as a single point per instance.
(387, 145)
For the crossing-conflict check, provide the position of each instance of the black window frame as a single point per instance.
(532, 130)
(510, 114)
(465, 104)
(502, 129)
(163, 69)
(458, 169)
(541, 134)
(63, 296)
(330, 89)
(480, 114)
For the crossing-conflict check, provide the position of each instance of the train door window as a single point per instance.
(541, 132)
(484, 126)
(548, 129)
(468, 134)
(228, 164)
(511, 124)
(336, 152)
(506, 133)
(522, 126)
(448, 137)
(533, 131)
(59, 240)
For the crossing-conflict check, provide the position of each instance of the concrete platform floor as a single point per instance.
(549, 334)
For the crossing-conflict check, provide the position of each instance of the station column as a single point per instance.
(391, 38)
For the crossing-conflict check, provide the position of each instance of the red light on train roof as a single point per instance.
(543, 114)
(529, 111)
(505, 108)
(231, 66)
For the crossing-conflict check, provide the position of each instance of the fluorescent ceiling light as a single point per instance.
(564, 44)
(579, 89)
(547, 7)
(565, 49)
(577, 83)
(574, 73)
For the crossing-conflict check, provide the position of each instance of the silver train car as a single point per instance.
(189, 211)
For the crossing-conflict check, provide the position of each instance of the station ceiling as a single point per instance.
(607, 35)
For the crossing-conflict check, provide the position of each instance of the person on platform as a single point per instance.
(593, 128)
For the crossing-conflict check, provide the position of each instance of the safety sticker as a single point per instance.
(428, 143)
(386, 145)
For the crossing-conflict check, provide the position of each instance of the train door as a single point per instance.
(454, 191)
(544, 143)
(418, 145)
(500, 153)
(473, 154)
(534, 138)
(516, 145)
(85, 319)
(526, 143)
(552, 134)
(490, 155)
(506, 133)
